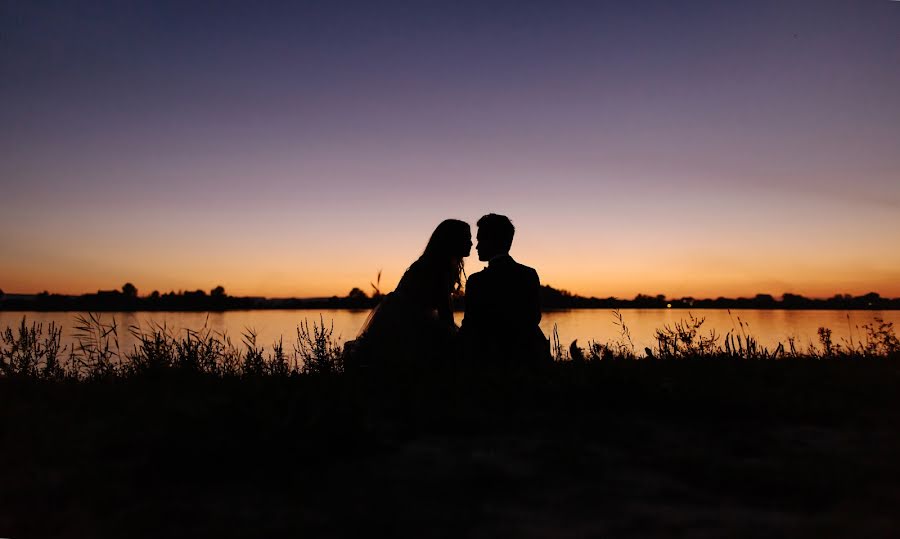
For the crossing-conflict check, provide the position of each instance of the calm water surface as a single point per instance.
(768, 327)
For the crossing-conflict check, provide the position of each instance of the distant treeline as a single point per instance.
(127, 299)
(552, 298)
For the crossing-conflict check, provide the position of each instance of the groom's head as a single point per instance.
(495, 235)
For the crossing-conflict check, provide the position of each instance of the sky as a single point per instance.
(690, 148)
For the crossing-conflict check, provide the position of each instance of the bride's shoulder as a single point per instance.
(424, 266)
(415, 273)
(415, 269)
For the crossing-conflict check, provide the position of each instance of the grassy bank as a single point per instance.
(189, 435)
(33, 351)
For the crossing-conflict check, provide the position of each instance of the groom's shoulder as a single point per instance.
(529, 269)
(476, 277)
(525, 270)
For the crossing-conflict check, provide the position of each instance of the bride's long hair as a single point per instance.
(444, 249)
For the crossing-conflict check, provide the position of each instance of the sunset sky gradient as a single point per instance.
(699, 148)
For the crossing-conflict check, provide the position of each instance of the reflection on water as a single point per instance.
(769, 327)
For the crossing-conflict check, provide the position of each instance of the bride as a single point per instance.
(417, 317)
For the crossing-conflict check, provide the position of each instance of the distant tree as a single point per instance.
(764, 300)
(357, 294)
(154, 294)
(218, 292)
(1, 293)
(644, 300)
(793, 301)
(129, 290)
(870, 300)
(555, 298)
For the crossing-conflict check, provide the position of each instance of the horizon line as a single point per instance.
(563, 290)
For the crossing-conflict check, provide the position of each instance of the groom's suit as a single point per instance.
(503, 312)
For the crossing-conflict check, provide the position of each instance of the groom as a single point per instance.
(502, 307)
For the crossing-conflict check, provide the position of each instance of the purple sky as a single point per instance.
(684, 148)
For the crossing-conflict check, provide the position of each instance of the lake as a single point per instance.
(769, 327)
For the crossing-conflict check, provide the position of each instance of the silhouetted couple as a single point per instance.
(502, 312)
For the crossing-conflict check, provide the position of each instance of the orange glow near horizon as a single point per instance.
(588, 264)
(626, 287)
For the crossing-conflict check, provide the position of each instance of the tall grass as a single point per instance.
(35, 352)
(687, 339)
(30, 351)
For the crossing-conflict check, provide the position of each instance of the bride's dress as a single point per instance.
(414, 319)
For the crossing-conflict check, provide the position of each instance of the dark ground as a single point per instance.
(690, 448)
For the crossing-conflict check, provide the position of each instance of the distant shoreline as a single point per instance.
(315, 307)
(551, 299)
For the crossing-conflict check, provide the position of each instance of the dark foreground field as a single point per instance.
(646, 448)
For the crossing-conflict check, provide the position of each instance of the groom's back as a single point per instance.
(503, 311)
